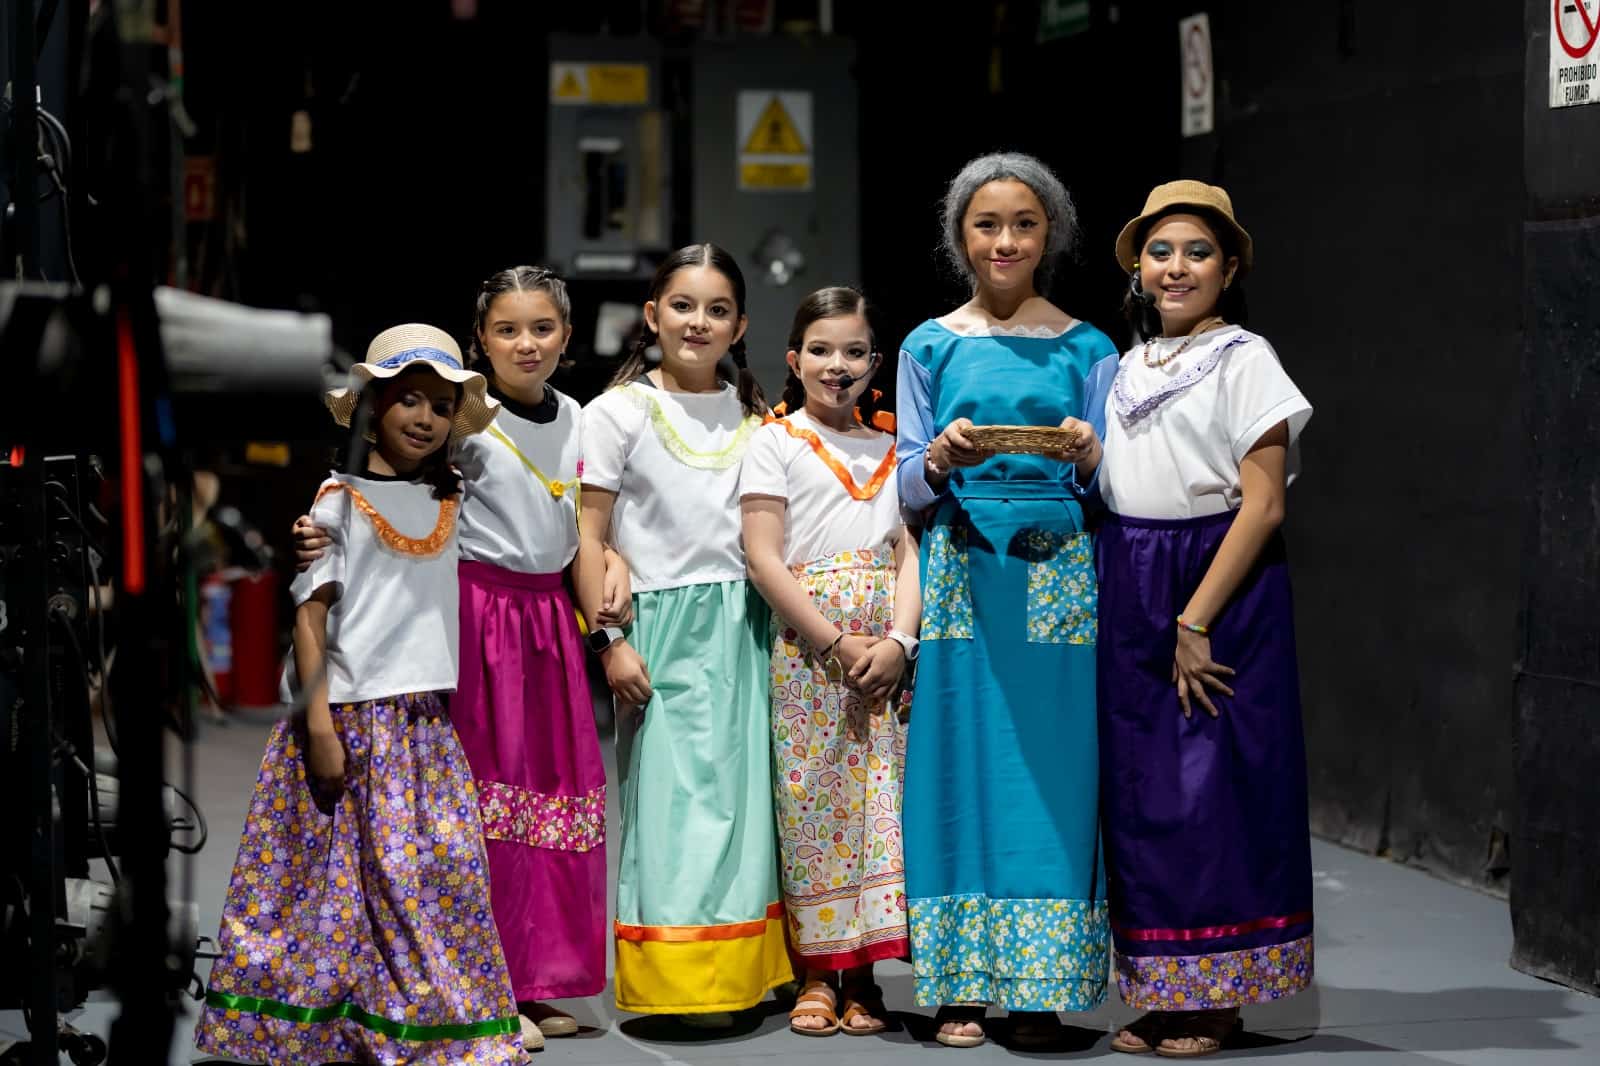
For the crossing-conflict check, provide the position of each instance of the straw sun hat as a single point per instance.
(396, 349)
(1181, 194)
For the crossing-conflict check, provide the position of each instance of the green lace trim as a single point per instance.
(366, 1019)
(679, 449)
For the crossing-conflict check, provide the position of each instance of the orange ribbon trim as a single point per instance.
(881, 419)
(424, 547)
(688, 934)
(874, 484)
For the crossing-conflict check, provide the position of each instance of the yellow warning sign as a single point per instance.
(775, 175)
(775, 133)
(619, 83)
(605, 84)
(776, 137)
(570, 88)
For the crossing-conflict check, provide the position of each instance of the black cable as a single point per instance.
(88, 772)
(107, 719)
(58, 133)
(199, 816)
(59, 167)
(65, 747)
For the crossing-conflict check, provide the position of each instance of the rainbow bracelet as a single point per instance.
(1204, 631)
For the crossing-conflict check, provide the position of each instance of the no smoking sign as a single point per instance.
(1574, 57)
(1194, 44)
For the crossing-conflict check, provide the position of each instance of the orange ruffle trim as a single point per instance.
(392, 538)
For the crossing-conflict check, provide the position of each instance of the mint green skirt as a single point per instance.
(699, 920)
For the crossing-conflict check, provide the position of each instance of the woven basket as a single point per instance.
(1035, 440)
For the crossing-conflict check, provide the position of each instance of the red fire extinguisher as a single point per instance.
(255, 639)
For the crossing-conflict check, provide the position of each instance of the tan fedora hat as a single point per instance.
(1180, 194)
(399, 347)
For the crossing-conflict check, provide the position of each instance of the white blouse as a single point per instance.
(673, 459)
(520, 507)
(1176, 434)
(394, 623)
(822, 518)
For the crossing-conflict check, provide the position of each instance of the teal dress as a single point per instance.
(1003, 872)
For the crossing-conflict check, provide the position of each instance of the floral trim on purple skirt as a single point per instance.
(1222, 979)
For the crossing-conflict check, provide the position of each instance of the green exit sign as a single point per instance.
(1062, 18)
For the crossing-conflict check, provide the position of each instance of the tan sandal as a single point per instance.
(1208, 1029)
(532, 1038)
(551, 1022)
(816, 1000)
(1142, 1035)
(966, 1014)
(863, 1001)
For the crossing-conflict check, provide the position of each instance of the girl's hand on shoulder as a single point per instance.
(1085, 443)
(953, 447)
(626, 674)
(616, 608)
(1195, 672)
(309, 541)
(878, 671)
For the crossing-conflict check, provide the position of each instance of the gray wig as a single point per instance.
(1061, 231)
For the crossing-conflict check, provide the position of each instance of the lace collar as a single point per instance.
(991, 330)
(1132, 410)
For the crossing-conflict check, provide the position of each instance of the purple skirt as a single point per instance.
(357, 924)
(1207, 845)
(523, 713)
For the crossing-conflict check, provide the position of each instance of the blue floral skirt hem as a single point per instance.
(1021, 954)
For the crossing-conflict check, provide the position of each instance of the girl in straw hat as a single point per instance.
(1203, 763)
(699, 929)
(522, 708)
(1002, 852)
(357, 922)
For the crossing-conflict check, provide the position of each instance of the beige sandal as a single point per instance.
(962, 1014)
(816, 1000)
(532, 1038)
(863, 1001)
(1208, 1029)
(551, 1022)
(1142, 1035)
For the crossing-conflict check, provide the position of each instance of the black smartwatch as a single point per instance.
(601, 639)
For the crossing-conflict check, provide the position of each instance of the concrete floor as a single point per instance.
(1410, 970)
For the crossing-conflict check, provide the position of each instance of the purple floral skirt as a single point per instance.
(357, 926)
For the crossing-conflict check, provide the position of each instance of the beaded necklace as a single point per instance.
(1161, 361)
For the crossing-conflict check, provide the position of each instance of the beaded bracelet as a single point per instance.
(1204, 631)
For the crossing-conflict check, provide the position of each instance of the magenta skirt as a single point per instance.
(523, 714)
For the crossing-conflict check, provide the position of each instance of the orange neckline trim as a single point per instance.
(874, 484)
(431, 545)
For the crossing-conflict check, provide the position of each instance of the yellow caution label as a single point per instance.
(266, 453)
(775, 175)
(775, 133)
(570, 88)
(605, 84)
(619, 83)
